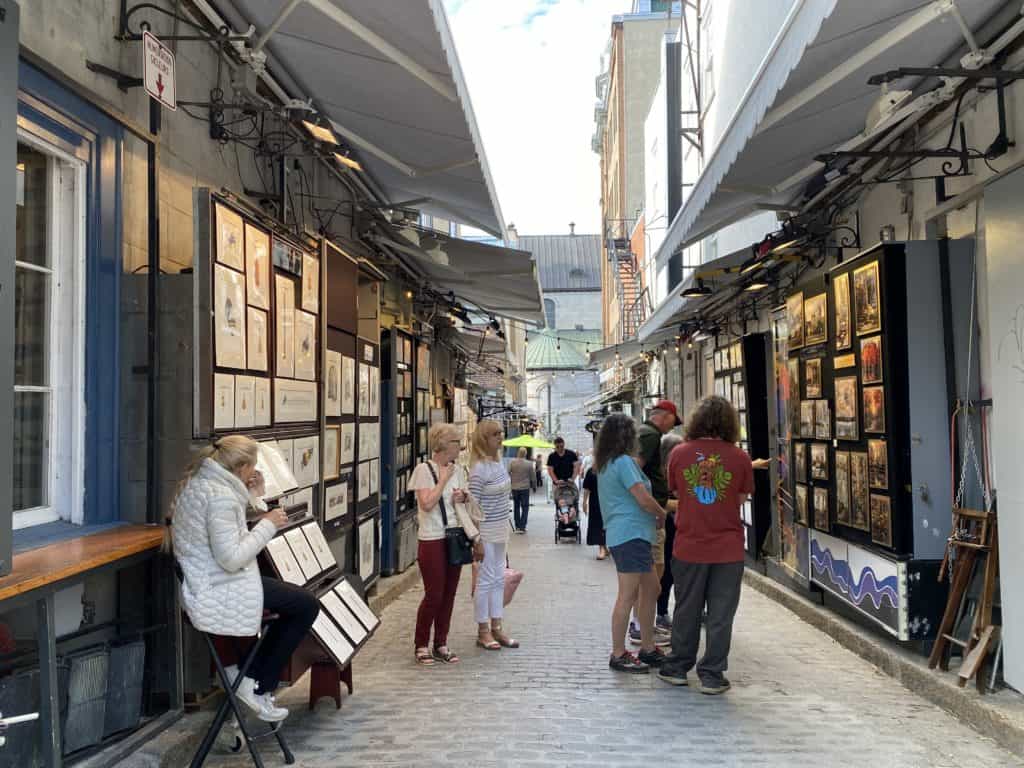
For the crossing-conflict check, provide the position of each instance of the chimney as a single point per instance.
(572, 228)
(511, 234)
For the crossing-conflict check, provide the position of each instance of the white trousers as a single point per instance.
(490, 584)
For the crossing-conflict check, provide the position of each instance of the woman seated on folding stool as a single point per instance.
(222, 590)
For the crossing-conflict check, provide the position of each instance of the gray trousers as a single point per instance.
(716, 585)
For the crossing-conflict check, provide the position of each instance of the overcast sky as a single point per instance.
(530, 67)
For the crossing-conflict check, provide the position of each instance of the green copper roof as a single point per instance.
(560, 350)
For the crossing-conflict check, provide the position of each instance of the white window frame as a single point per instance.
(64, 464)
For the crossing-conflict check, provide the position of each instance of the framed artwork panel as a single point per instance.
(229, 317)
(795, 319)
(332, 437)
(816, 319)
(261, 402)
(257, 266)
(867, 299)
(881, 520)
(256, 356)
(284, 312)
(841, 292)
(230, 237)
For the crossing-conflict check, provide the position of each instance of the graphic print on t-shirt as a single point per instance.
(708, 479)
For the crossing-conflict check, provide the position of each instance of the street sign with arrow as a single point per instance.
(158, 71)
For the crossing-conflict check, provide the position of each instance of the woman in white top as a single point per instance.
(490, 485)
(437, 482)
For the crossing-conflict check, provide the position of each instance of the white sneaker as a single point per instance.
(262, 704)
(232, 672)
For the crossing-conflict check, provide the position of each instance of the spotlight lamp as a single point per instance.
(697, 291)
(756, 286)
(347, 161)
(319, 127)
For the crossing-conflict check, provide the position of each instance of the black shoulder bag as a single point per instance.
(457, 543)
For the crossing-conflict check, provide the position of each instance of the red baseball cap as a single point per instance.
(669, 407)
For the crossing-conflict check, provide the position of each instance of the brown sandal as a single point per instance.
(444, 654)
(424, 657)
(488, 645)
(504, 640)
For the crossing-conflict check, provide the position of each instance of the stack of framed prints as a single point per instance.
(345, 622)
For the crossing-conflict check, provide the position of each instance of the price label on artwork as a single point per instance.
(158, 71)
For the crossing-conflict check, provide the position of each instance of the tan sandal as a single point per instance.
(503, 640)
(488, 645)
(424, 657)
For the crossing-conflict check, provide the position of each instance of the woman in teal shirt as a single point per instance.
(631, 518)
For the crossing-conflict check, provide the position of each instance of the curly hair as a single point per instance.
(616, 438)
(714, 417)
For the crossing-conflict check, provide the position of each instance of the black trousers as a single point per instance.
(666, 576)
(716, 585)
(521, 502)
(298, 609)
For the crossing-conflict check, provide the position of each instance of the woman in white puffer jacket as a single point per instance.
(222, 590)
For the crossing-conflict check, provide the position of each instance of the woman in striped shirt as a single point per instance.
(490, 485)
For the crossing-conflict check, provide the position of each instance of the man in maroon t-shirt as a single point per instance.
(711, 478)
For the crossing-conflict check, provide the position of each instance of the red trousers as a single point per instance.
(440, 582)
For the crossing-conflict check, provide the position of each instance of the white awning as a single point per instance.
(810, 96)
(477, 342)
(387, 75)
(629, 352)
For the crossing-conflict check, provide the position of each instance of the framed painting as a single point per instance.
(878, 464)
(336, 501)
(347, 452)
(367, 545)
(261, 402)
(305, 345)
(245, 395)
(284, 297)
(867, 299)
(821, 516)
(874, 409)
(842, 471)
(841, 294)
(800, 462)
(822, 420)
(807, 418)
(847, 427)
(871, 360)
(364, 390)
(256, 356)
(310, 283)
(330, 453)
(223, 401)
(348, 385)
(230, 238)
(257, 266)
(294, 401)
(229, 317)
(881, 520)
(819, 461)
(859, 491)
(795, 320)
(332, 384)
(306, 452)
(812, 377)
(816, 319)
(800, 511)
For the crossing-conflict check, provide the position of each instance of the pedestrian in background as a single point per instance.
(712, 478)
(631, 518)
(563, 465)
(538, 462)
(592, 508)
(522, 472)
(489, 484)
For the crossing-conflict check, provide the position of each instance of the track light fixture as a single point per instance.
(697, 291)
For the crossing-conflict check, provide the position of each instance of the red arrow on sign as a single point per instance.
(160, 84)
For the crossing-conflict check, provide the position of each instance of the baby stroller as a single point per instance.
(567, 512)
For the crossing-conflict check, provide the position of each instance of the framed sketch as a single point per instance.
(332, 639)
(348, 385)
(819, 461)
(367, 541)
(374, 391)
(310, 283)
(795, 320)
(843, 488)
(332, 444)
(793, 396)
(285, 326)
(878, 464)
(822, 420)
(369, 441)
(303, 553)
(363, 481)
(867, 299)
(374, 476)
(871, 360)
(357, 605)
(284, 562)
(229, 317)
(812, 377)
(807, 418)
(821, 521)
(816, 319)
(223, 401)
(245, 395)
(841, 294)
(881, 520)
(332, 385)
(294, 401)
(257, 266)
(846, 408)
(800, 507)
(347, 449)
(286, 449)
(321, 549)
(306, 453)
(343, 617)
(859, 491)
(364, 390)
(800, 462)
(336, 501)
(256, 323)
(261, 402)
(874, 409)
(305, 345)
(230, 242)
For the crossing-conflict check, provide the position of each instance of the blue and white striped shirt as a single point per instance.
(490, 485)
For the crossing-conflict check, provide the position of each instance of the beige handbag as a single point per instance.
(472, 507)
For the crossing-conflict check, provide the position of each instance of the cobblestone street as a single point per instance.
(798, 699)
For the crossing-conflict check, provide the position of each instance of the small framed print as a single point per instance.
(800, 462)
(874, 409)
(261, 402)
(332, 385)
(285, 326)
(319, 545)
(846, 408)
(871, 360)
(332, 437)
(821, 516)
(229, 317)
(343, 617)
(257, 339)
(336, 501)
(223, 401)
(843, 488)
(881, 520)
(348, 385)
(822, 420)
(819, 461)
(230, 241)
(294, 401)
(357, 605)
(867, 299)
(800, 505)
(363, 481)
(347, 451)
(287, 450)
(374, 476)
(795, 320)
(878, 464)
(807, 418)
(374, 391)
(793, 396)
(310, 283)
(859, 491)
(286, 257)
(367, 545)
(816, 319)
(257, 266)
(332, 639)
(812, 377)
(364, 390)
(841, 294)
(303, 553)
(306, 458)
(245, 395)
(284, 562)
(305, 346)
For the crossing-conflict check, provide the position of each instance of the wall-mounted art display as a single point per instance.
(223, 401)
(364, 390)
(816, 319)
(230, 240)
(284, 311)
(306, 452)
(812, 377)
(332, 445)
(859, 490)
(842, 470)
(287, 257)
(303, 553)
(807, 418)
(305, 345)
(867, 299)
(874, 409)
(336, 501)
(871, 360)
(310, 283)
(257, 339)
(795, 318)
(841, 295)
(800, 462)
(261, 402)
(294, 401)
(332, 639)
(229, 317)
(347, 452)
(878, 464)
(822, 420)
(257, 267)
(245, 395)
(367, 546)
(821, 521)
(332, 385)
(846, 408)
(284, 562)
(881, 520)
(819, 461)
(348, 385)
(800, 496)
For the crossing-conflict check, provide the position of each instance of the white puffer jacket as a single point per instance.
(222, 591)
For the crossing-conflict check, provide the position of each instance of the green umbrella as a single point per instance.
(527, 441)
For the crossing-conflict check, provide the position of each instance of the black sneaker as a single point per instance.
(627, 662)
(653, 658)
(672, 675)
(714, 687)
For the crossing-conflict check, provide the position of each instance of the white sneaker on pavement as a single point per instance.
(262, 704)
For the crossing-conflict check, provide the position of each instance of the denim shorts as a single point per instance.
(633, 556)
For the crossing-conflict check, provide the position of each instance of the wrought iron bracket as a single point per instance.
(201, 34)
(124, 82)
